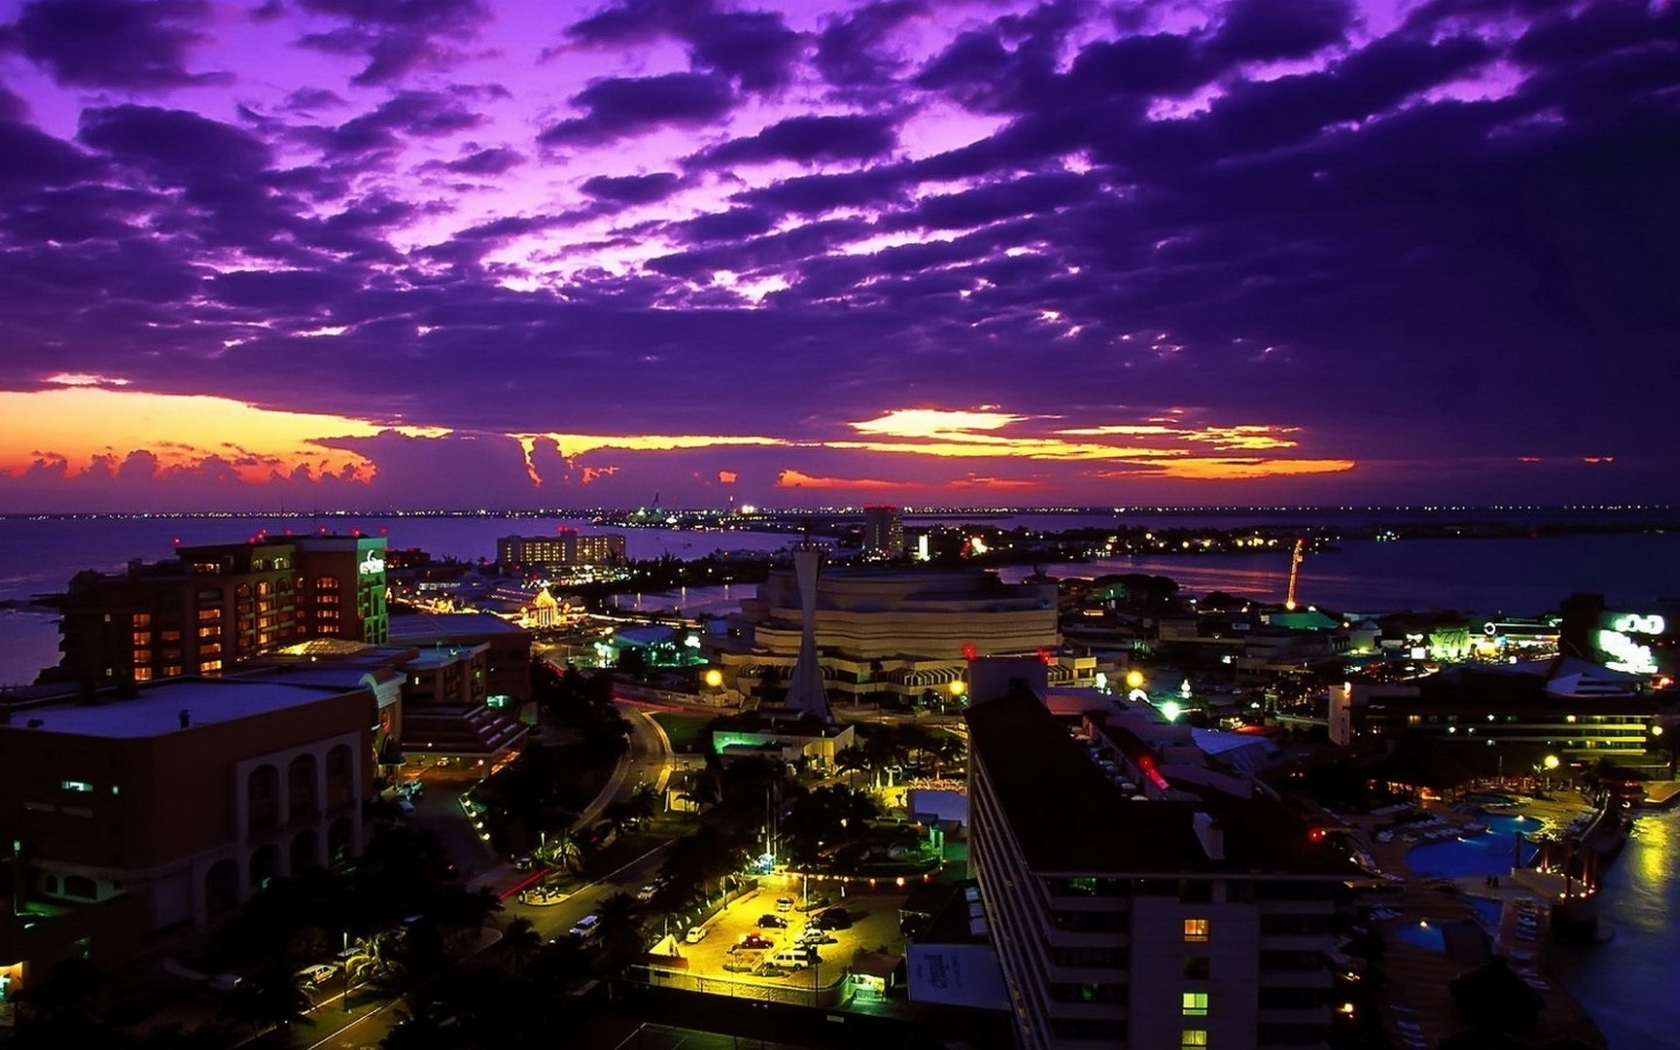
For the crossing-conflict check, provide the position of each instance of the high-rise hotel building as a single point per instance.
(1131, 911)
(564, 549)
(883, 531)
(213, 606)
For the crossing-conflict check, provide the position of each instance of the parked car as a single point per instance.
(814, 935)
(524, 862)
(772, 922)
(795, 958)
(832, 919)
(646, 892)
(695, 934)
(320, 973)
(752, 942)
(784, 903)
(405, 807)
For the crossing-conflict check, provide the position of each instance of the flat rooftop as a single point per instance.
(423, 628)
(1069, 817)
(157, 710)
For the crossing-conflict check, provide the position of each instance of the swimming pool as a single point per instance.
(1424, 935)
(1487, 853)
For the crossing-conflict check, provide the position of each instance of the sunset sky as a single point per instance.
(383, 254)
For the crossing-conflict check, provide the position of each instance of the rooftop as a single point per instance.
(159, 709)
(1070, 817)
(423, 628)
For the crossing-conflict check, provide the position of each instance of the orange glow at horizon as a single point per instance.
(182, 432)
(1232, 468)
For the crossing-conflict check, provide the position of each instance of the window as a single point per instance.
(1196, 931)
(1195, 1004)
(1197, 967)
(1192, 1038)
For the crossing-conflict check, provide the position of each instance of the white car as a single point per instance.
(646, 892)
(318, 974)
(696, 934)
(586, 927)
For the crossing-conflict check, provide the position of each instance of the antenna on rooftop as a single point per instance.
(1294, 571)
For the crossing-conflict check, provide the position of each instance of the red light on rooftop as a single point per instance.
(1046, 657)
(969, 651)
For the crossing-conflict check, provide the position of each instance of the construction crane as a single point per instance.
(1294, 571)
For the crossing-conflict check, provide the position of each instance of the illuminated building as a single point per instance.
(1175, 914)
(562, 550)
(215, 606)
(130, 814)
(883, 531)
(1577, 710)
(895, 631)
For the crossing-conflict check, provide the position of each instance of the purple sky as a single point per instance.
(471, 253)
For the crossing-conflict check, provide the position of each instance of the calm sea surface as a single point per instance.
(1616, 980)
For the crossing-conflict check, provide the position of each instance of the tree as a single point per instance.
(273, 997)
(563, 850)
(620, 935)
(520, 944)
(851, 760)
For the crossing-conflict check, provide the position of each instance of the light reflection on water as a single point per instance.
(1625, 981)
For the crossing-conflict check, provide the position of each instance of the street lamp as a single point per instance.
(1134, 679)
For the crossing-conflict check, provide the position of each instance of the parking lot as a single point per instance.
(873, 924)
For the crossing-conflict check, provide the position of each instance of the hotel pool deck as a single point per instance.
(1490, 852)
(1449, 920)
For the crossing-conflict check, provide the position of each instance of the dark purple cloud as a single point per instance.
(487, 162)
(755, 49)
(808, 139)
(1267, 30)
(34, 159)
(632, 189)
(396, 36)
(176, 146)
(137, 45)
(853, 47)
(417, 114)
(622, 107)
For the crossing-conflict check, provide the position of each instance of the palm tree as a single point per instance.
(946, 747)
(520, 944)
(620, 934)
(852, 760)
(563, 851)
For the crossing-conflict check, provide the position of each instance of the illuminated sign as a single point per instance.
(1625, 654)
(1633, 623)
(373, 563)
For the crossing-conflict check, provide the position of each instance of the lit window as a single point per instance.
(1195, 1004)
(1196, 931)
(1192, 1038)
(77, 785)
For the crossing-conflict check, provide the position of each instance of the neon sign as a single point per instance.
(1633, 623)
(372, 565)
(1626, 654)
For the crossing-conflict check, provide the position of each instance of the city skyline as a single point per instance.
(486, 253)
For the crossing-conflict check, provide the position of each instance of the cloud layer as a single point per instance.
(553, 254)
